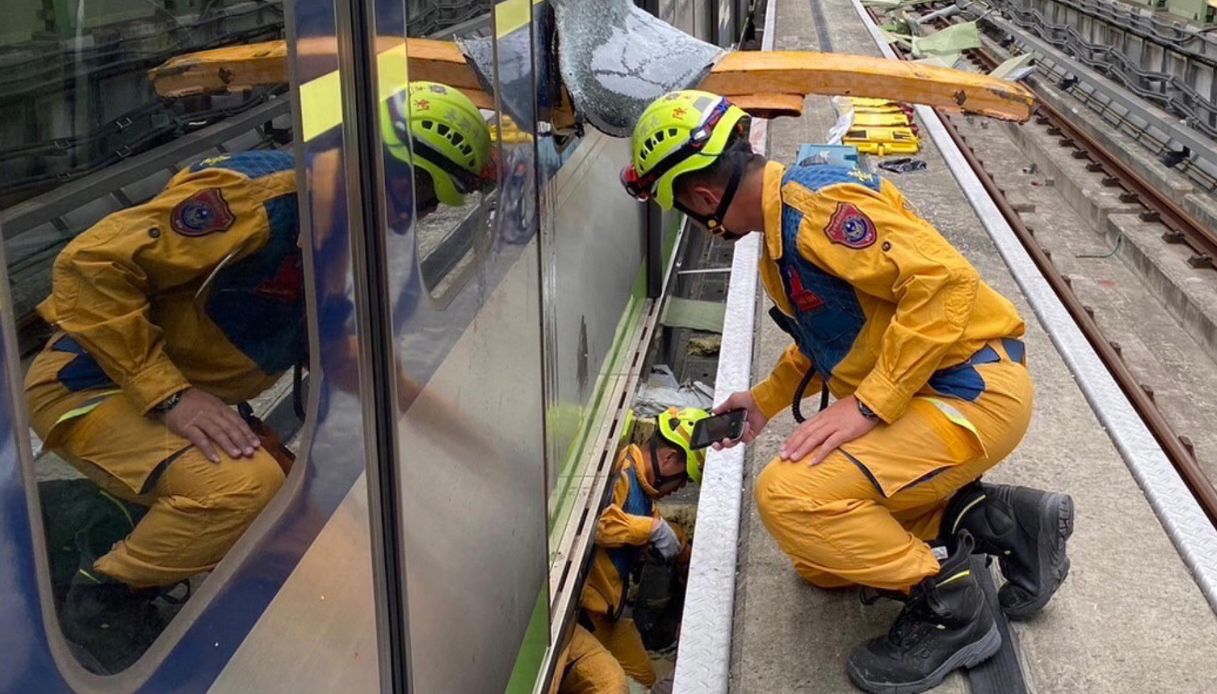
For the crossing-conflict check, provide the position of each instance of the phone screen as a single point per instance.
(729, 425)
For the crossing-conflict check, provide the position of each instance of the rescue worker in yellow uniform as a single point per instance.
(587, 667)
(170, 312)
(881, 489)
(631, 524)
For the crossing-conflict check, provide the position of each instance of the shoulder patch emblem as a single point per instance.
(849, 227)
(203, 213)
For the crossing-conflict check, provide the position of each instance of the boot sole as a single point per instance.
(969, 656)
(1056, 525)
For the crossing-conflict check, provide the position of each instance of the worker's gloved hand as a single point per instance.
(664, 539)
(204, 420)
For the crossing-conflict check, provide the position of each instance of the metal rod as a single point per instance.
(1180, 457)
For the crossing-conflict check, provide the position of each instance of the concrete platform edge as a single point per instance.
(703, 663)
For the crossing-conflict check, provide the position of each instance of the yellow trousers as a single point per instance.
(197, 509)
(588, 668)
(863, 516)
(622, 639)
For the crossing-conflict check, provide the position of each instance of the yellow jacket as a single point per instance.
(201, 285)
(873, 292)
(623, 530)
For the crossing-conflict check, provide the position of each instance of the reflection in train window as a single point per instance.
(449, 241)
(454, 151)
(151, 237)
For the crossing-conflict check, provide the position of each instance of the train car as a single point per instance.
(452, 425)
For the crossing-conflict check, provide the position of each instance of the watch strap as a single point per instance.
(168, 403)
(866, 411)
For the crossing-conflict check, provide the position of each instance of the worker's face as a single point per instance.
(672, 468)
(703, 200)
(425, 201)
(411, 195)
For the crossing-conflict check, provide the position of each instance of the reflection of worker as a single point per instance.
(171, 311)
(586, 667)
(630, 524)
(880, 488)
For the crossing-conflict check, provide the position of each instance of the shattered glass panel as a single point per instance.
(615, 59)
(515, 72)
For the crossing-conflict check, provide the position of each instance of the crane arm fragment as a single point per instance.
(837, 74)
(764, 83)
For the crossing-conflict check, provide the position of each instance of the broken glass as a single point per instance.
(615, 59)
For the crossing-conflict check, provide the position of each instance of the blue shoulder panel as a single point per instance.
(254, 163)
(817, 176)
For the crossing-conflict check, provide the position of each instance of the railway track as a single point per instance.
(1179, 227)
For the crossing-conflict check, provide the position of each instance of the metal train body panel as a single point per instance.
(508, 354)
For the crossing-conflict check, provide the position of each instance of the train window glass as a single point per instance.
(151, 234)
(454, 147)
(465, 311)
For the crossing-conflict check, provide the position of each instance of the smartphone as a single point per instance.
(728, 425)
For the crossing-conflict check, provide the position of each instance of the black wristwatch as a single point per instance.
(164, 406)
(866, 411)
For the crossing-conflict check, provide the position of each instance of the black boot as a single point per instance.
(111, 622)
(944, 626)
(1026, 530)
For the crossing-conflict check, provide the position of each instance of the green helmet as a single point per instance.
(676, 427)
(679, 132)
(446, 133)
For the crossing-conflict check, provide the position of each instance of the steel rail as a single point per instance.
(1182, 225)
(1176, 449)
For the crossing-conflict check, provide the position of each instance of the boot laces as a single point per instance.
(913, 623)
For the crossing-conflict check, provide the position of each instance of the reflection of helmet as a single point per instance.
(445, 131)
(679, 132)
(676, 427)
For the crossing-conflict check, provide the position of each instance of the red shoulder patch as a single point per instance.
(205, 212)
(849, 227)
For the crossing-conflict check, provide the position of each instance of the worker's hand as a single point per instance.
(204, 420)
(836, 426)
(753, 425)
(664, 539)
(686, 553)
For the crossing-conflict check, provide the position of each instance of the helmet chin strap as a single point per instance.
(660, 480)
(714, 222)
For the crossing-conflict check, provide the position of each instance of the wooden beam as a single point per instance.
(229, 69)
(770, 105)
(240, 68)
(836, 74)
(764, 83)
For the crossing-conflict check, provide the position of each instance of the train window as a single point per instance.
(151, 231)
(454, 150)
(466, 304)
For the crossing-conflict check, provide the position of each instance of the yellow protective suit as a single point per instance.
(201, 286)
(623, 531)
(880, 303)
(586, 667)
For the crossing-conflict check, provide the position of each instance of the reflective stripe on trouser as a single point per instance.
(622, 639)
(863, 516)
(589, 668)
